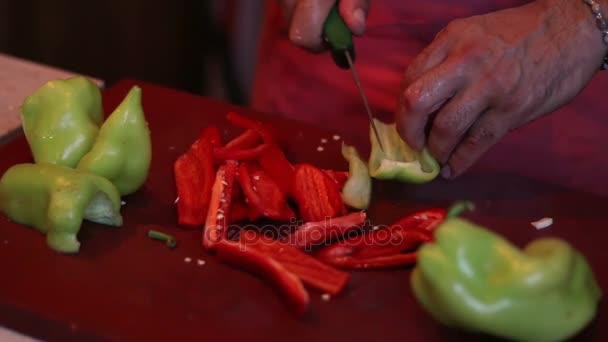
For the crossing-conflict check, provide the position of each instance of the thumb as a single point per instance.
(354, 13)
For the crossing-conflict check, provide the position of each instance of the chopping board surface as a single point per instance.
(124, 286)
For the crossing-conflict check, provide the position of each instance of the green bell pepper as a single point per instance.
(122, 151)
(55, 200)
(399, 161)
(474, 279)
(357, 190)
(61, 120)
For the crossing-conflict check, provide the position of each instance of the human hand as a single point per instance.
(306, 18)
(486, 75)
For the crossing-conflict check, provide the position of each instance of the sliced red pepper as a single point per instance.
(340, 177)
(313, 272)
(212, 134)
(194, 173)
(218, 216)
(246, 140)
(276, 165)
(316, 194)
(385, 246)
(224, 153)
(243, 122)
(254, 261)
(242, 211)
(314, 233)
(263, 193)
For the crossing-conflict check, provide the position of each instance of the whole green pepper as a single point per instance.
(122, 151)
(398, 161)
(56, 199)
(61, 120)
(474, 279)
(357, 190)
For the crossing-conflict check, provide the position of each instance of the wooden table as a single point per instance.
(124, 286)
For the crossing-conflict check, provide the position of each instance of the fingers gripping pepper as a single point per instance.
(56, 199)
(398, 161)
(61, 120)
(473, 278)
(122, 151)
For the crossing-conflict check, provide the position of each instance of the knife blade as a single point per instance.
(338, 37)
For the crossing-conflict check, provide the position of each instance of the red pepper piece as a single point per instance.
(354, 262)
(263, 193)
(252, 260)
(316, 194)
(246, 140)
(224, 153)
(194, 174)
(385, 246)
(312, 272)
(314, 233)
(212, 134)
(276, 165)
(243, 122)
(242, 211)
(218, 216)
(340, 177)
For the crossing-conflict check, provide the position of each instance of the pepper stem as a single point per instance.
(170, 240)
(458, 208)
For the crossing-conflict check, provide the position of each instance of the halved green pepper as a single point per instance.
(474, 279)
(61, 120)
(122, 151)
(399, 161)
(357, 190)
(55, 200)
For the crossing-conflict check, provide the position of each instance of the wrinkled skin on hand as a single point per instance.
(305, 19)
(486, 75)
(474, 279)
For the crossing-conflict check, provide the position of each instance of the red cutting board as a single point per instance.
(124, 286)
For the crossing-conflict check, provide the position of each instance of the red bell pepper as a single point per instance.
(263, 193)
(312, 272)
(218, 216)
(212, 134)
(224, 153)
(194, 173)
(314, 233)
(385, 247)
(288, 284)
(316, 194)
(246, 123)
(340, 177)
(276, 165)
(246, 140)
(241, 211)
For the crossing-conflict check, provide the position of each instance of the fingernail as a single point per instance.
(446, 172)
(358, 21)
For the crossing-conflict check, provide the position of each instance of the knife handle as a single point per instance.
(338, 38)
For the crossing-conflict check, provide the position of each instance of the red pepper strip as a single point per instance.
(426, 220)
(312, 272)
(276, 165)
(212, 134)
(194, 172)
(243, 122)
(219, 208)
(395, 243)
(354, 262)
(223, 153)
(242, 211)
(314, 233)
(316, 194)
(248, 139)
(252, 260)
(340, 177)
(263, 193)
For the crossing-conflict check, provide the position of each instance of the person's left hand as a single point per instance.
(486, 75)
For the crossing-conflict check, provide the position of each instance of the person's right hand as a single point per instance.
(306, 18)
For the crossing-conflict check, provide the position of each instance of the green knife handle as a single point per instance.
(338, 38)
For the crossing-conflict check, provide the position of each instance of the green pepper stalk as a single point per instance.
(474, 279)
(356, 192)
(399, 161)
(56, 199)
(170, 241)
(122, 151)
(61, 120)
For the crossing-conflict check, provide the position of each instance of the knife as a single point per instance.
(338, 37)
